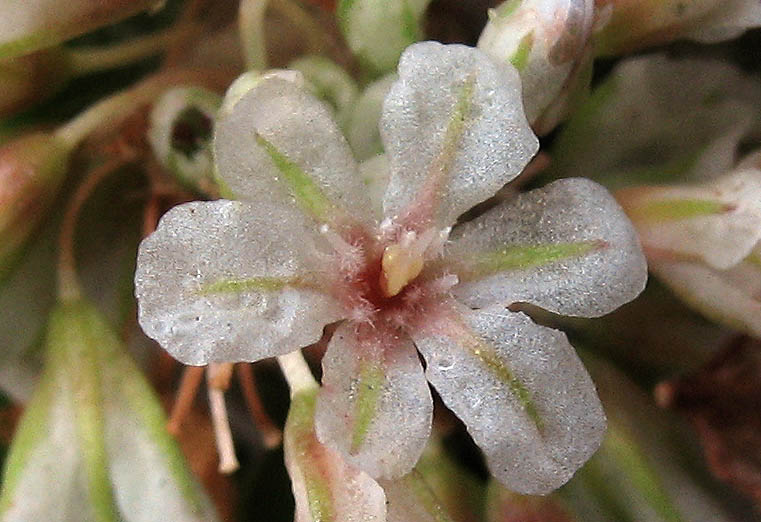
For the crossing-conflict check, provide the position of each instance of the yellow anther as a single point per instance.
(399, 265)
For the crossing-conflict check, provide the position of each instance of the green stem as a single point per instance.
(109, 113)
(85, 60)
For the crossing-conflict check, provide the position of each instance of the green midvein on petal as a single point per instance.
(441, 166)
(308, 195)
(369, 386)
(300, 431)
(519, 59)
(521, 257)
(258, 284)
(754, 259)
(488, 356)
(678, 209)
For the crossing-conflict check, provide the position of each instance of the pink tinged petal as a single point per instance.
(718, 222)
(278, 143)
(228, 281)
(410, 499)
(520, 389)
(454, 132)
(375, 406)
(567, 247)
(730, 297)
(325, 487)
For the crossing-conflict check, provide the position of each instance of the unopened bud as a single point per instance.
(378, 32)
(32, 168)
(29, 26)
(637, 24)
(182, 122)
(548, 43)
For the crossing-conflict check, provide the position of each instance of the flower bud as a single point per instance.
(32, 168)
(638, 473)
(94, 436)
(548, 42)
(632, 25)
(182, 122)
(378, 32)
(325, 487)
(328, 81)
(28, 26)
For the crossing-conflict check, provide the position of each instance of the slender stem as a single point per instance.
(307, 26)
(110, 112)
(186, 394)
(85, 60)
(228, 462)
(68, 282)
(251, 32)
(297, 372)
(271, 434)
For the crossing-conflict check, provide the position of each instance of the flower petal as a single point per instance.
(226, 281)
(454, 132)
(567, 247)
(642, 126)
(718, 222)
(325, 487)
(521, 390)
(280, 143)
(375, 406)
(730, 297)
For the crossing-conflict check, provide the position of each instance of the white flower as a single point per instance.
(306, 245)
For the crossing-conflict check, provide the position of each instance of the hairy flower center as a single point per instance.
(382, 284)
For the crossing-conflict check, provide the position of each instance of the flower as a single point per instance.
(306, 246)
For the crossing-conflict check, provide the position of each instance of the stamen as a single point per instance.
(191, 380)
(228, 462)
(403, 261)
(271, 434)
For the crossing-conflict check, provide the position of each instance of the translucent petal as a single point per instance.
(642, 126)
(375, 174)
(730, 297)
(520, 389)
(229, 281)
(454, 132)
(375, 406)
(567, 247)
(325, 487)
(410, 499)
(718, 222)
(280, 144)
